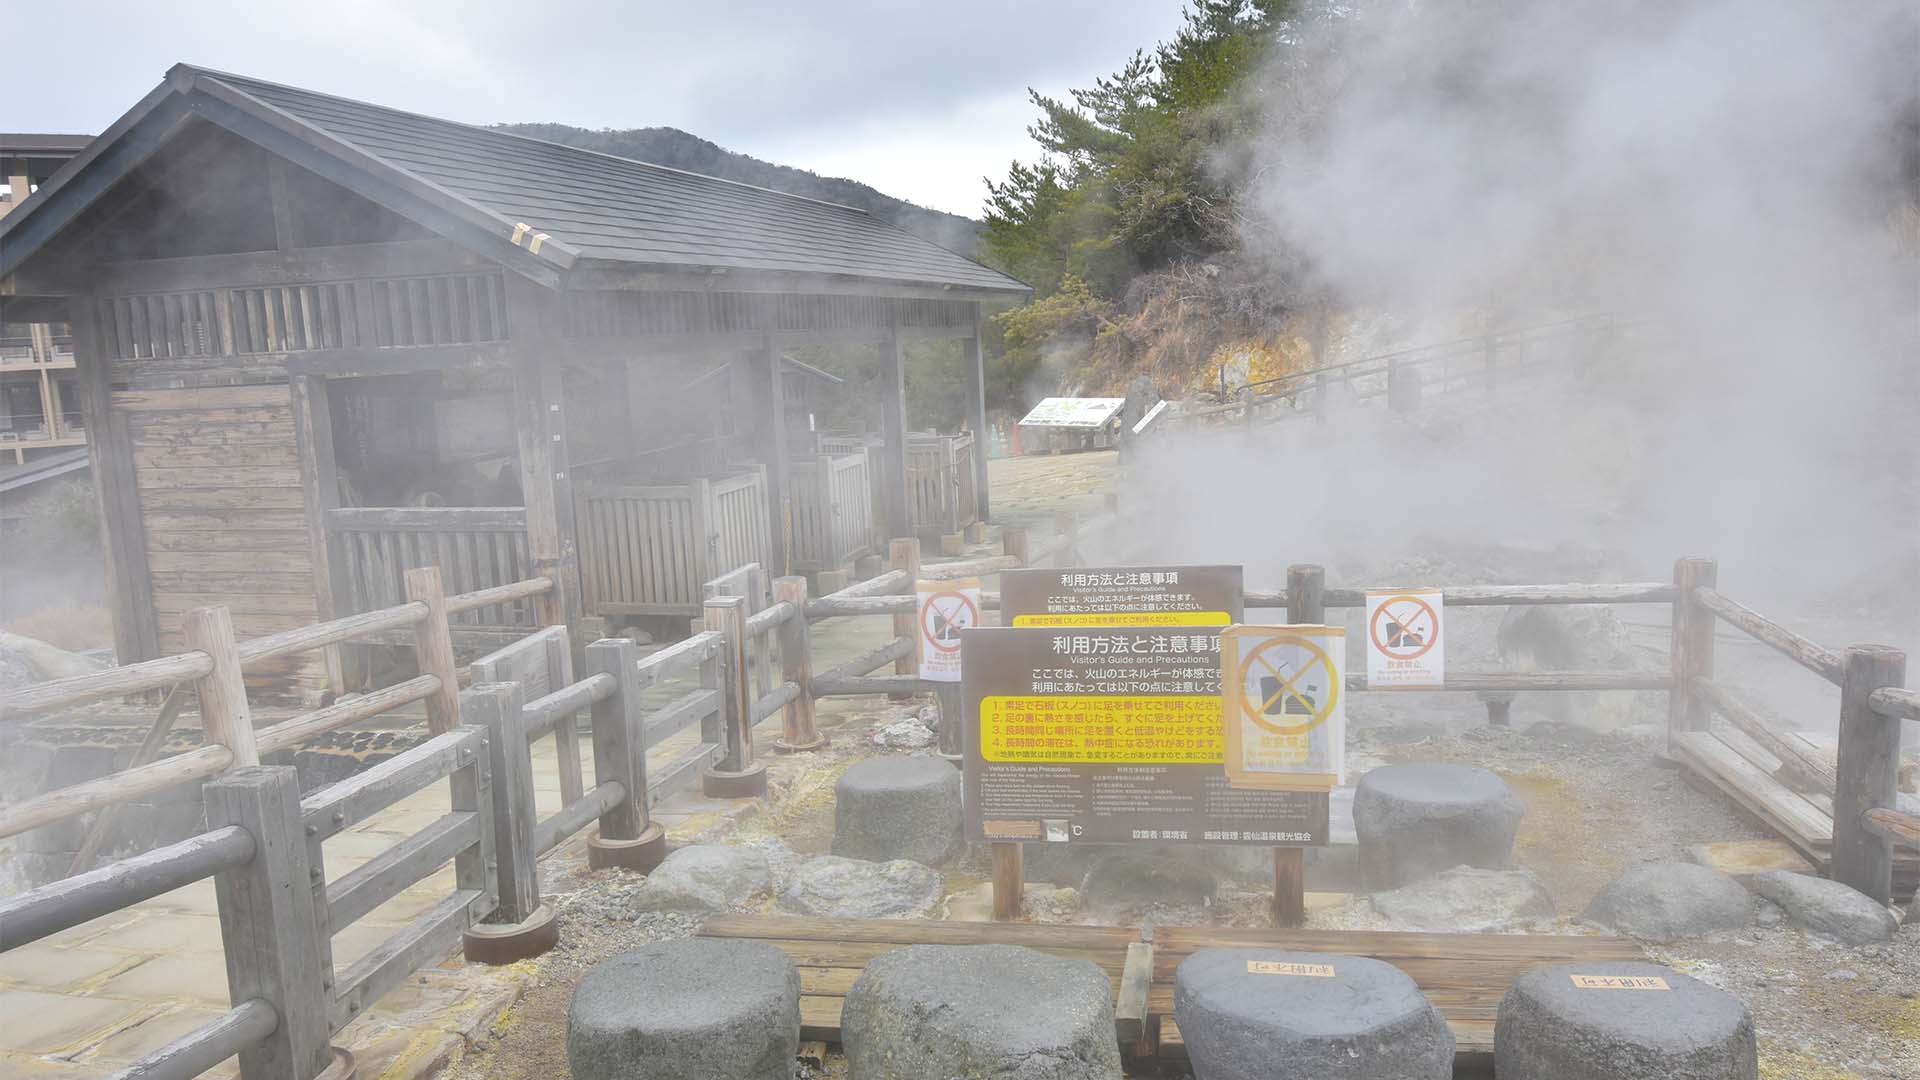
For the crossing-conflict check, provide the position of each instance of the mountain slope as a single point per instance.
(678, 150)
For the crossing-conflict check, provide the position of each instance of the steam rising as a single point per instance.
(1726, 176)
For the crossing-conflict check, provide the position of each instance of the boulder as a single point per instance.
(691, 1009)
(1827, 908)
(1670, 902)
(931, 1012)
(902, 733)
(898, 808)
(1467, 899)
(1261, 1014)
(1629, 1019)
(830, 887)
(1416, 820)
(1123, 882)
(704, 879)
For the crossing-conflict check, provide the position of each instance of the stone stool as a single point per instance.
(1621, 1023)
(693, 1009)
(1262, 1014)
(898, 808)
(928, 1012)
(1414, 821)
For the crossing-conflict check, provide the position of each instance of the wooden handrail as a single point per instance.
(1896, 702)
(290, 733)
(113, 682)
(1894, 825)
(62, 803)
(499, 594)
(1800, 650)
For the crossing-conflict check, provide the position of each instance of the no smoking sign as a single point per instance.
(1406, 649)
(946, 609)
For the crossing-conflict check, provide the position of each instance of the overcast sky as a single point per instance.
(919, 100)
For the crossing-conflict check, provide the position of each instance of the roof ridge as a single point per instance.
(497, 133)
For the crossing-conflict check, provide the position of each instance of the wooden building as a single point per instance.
(320, 341)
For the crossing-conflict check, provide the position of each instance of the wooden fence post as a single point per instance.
(270, 925)
(627, 837)
(1868, 770)
(1014, 541)
(1692, 647)
(521, 926)
(1009, 879)
(1306, 606)
(736, 775)
(798, 730)
(1067, 525)
(904, 554)
(224, 714)
(433, 648)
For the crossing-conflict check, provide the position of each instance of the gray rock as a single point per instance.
(1123, 882)
(1416, 820)
(1551, 1029)
(898, 808)
(904, 733)
(1365, 1021)
(830, 887)
(705, 878)
(934, 1012)
(1670, 902)
(1826, 908)
(1467, 899)
(692, 1009)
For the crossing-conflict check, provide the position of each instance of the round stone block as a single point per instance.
(693, 1009)
(1605, 1021)
(1263, 1014)
(898, 808)
(1416, 820)
(936, 1011)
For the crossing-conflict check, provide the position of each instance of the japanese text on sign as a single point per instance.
(1122, 596)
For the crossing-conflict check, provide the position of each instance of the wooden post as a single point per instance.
(1014, 541)
(520, 927)
(977, 411)
(1868, 770)
(769, 401)
(1306, 606)
(895, 508)
(952, 720)
(798, 730)
(320, 488)
(224, 713)
(270, 925)
(904, 554)
(626, 837)
(123, 531)
(433, 648)
(546, 483)
(1009, 880)
(736, 775)
(1692, 647)
(1067, 525)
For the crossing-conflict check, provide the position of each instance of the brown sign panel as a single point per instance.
(1104, 736)
(1100, 596)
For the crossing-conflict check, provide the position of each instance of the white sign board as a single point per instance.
(946, 608)
(1284, 703)
(1152, 415)
(1073, 412)
(1406, 640)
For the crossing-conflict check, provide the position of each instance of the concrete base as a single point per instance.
(867, 566)
(642, 854)
(782, 746)
(953, 543)
(976, 533)
(749, 783)
(506, 943)
(830, 581)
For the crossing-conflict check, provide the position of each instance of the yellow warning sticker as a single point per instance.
(1276, 967)
(1181, 729)
(1619, 982)
(1126, 618)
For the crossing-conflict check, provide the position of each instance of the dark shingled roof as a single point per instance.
(609, 208)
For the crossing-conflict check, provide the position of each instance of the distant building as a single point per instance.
(39, 395)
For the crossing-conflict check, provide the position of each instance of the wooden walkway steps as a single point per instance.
(1464, 974)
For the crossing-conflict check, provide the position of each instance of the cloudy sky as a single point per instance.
(919, 100)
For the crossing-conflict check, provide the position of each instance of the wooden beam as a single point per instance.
(591, 275)
(976, 364)
(286, 224)
(411, 360)
(320, 491)
(768, 395)
(136, 630)
(891, 456)
(540, 425)
(304, 266)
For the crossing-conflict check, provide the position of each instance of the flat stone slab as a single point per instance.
(1465, 900)
(693, 1009)
(1414, 821)
(831, 887)
(1609, 1021)
(704, 878)
(1827, 908)
(1670, 902)
(931, 1012)
(1265, 1014)
(898, 808)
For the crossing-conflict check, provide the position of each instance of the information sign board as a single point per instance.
(1122, 596)
(1284, 699)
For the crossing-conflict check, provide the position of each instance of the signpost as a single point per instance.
(1123, 596)
(1406, 646)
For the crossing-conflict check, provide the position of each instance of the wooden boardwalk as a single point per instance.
(1464, 974)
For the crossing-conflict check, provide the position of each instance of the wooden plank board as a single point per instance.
(223, 398)
(1782, 809)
